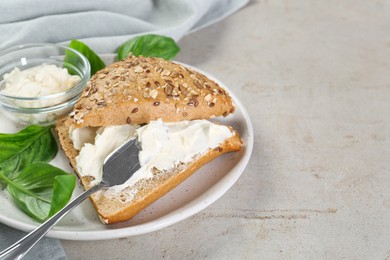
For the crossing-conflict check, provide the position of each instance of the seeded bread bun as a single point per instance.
(140, 89)
(114, 207)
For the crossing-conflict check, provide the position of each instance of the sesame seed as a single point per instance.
(165, 73)
(138, 69)
(153, 93)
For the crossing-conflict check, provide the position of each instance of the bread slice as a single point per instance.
(113, 206)
(140, 89)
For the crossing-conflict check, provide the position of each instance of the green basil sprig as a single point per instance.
(38, 188)
(32, 144)
(95, 61)
(150, 45)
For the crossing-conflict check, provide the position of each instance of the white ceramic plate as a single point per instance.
(196, 193)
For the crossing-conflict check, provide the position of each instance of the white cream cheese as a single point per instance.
(152, 138)
(81, 136)
(164, 146)
(91, 156)
(38, 81)
(35, 82)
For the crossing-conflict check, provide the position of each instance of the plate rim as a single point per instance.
(208, 197)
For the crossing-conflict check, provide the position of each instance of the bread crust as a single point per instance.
(138, 90)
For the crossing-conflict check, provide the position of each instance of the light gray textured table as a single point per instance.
(315, 79)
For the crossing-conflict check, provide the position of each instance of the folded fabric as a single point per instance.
(104, 26)
(47, 248)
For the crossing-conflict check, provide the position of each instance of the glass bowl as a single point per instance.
(42, 109)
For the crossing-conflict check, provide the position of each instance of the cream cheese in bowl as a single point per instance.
(41, 82)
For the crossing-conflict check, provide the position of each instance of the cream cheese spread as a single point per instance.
(81, 136)
(90, 159)
(41, 80)
(164, 146)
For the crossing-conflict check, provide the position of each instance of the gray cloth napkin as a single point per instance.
(47, 248)
(104, 26)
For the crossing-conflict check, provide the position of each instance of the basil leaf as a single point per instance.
(94, 60)
(63, 187)
(32, 144)
(150, 45)
(41, 189)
